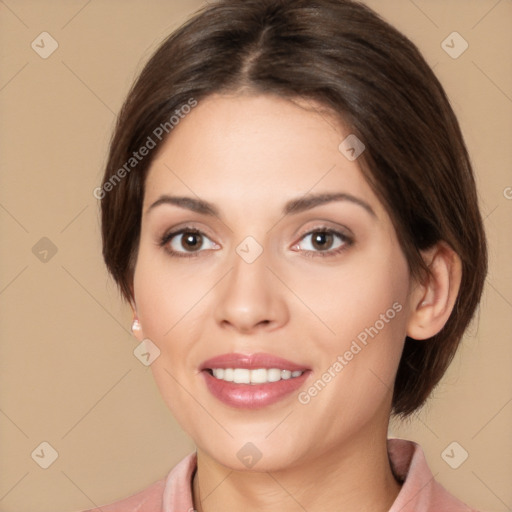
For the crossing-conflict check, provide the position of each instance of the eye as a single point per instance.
(186, 242)
(324, 242)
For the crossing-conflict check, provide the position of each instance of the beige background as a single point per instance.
(68, 375)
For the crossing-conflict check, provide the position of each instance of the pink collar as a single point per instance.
(419, 493)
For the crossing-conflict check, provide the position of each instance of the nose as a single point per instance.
(251, 299)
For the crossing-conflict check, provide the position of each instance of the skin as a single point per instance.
(248, 155)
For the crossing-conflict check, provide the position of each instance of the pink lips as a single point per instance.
(251, 396)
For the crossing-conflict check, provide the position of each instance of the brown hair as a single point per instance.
(340, 54)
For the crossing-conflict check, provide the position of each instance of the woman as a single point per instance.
(289, 208)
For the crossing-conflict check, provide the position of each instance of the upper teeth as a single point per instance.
(257, 376)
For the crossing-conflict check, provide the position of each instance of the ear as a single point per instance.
(136, 327)
(432, 300)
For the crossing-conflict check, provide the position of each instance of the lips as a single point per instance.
(252, 361)
(252, 381)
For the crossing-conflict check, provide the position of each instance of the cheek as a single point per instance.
(171, 302)
(167, 295)
(354, 301)
(166, 301)
(366, 310)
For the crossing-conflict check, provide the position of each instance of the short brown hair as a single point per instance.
(343, 56)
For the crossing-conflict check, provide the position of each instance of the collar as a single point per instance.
(419, 493)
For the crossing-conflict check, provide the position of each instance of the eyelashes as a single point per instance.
(189, 242)
(335, 241)
(195, 239)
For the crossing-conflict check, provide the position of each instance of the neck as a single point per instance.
(355, 476)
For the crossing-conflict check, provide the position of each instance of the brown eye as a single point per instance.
(191, 241)
(187, 242)
(322, 241)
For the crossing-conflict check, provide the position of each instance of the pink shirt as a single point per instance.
(419, 492)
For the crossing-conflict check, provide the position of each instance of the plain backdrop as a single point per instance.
(68, 375)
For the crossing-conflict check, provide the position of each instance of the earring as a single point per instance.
(135, 326)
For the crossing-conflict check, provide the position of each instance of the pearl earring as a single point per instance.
(135, 326)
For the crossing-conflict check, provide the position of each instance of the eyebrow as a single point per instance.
(293, 206)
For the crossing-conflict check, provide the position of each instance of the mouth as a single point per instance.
(252, 381)
(257, 376)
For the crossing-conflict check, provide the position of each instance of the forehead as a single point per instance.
(255, 149)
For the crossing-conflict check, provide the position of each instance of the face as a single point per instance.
(270, 278)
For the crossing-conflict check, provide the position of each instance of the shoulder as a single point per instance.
(148, 500)
(175, 487)
(420, 492)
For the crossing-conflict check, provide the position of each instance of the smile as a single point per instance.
(257, 376)
(252, 381)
